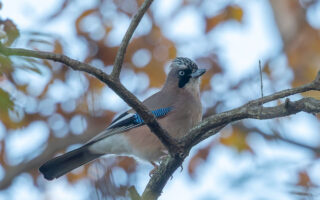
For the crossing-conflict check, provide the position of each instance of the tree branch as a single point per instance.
(125, 41)
(111, 80)
(205, 129)
(114, 84)
(215, 123)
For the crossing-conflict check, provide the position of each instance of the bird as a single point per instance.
(177, 107)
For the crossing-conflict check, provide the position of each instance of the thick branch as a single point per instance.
(125, 41)
(247, 110)
(215, 123)
(159, 179)
(147, 116)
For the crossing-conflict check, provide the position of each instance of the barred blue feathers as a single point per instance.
(129, 120)
(161, 112)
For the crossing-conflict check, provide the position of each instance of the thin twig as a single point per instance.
(283, 93)
(125, 41)
(261, 85)
(261, 82)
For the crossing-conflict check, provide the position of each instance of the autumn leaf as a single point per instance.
(305, 180)
(238, 140)
(58, 48)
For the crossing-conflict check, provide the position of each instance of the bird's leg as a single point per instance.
(155, 167)
(154, 164)
(166, 153)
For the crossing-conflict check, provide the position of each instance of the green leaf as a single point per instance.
(5, 101)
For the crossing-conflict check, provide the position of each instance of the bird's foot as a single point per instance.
(155, 167)
(181, 168)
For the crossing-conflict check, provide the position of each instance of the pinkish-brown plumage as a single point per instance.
(126, 136)
(186, 113)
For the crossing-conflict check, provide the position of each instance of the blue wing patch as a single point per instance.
(161, 112)
(125, 122)
(129, 119)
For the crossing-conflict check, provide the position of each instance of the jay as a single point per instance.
(177, 107)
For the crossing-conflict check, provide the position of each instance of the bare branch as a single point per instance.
(309, 105)
(114, 84)
(261, 81)
(250, 110)
(112, 81)
(170, 143)
(159, 179)
(74, 64)
(314, 85)
(261, 84)
(212, 125)
(215, 123)
(125, 41)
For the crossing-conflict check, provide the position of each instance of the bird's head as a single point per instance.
(184, 73)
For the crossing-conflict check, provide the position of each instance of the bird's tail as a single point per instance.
(65, 163)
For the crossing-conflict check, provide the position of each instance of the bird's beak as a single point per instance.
(198, 73)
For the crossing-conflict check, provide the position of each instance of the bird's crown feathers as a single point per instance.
(183, 61)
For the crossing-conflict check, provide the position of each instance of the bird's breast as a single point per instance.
(178, 122)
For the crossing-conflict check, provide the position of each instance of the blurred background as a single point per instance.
(46, 108)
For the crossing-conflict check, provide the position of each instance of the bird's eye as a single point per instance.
(181, 73)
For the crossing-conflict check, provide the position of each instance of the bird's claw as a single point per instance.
(181, 168)
(155, 167)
